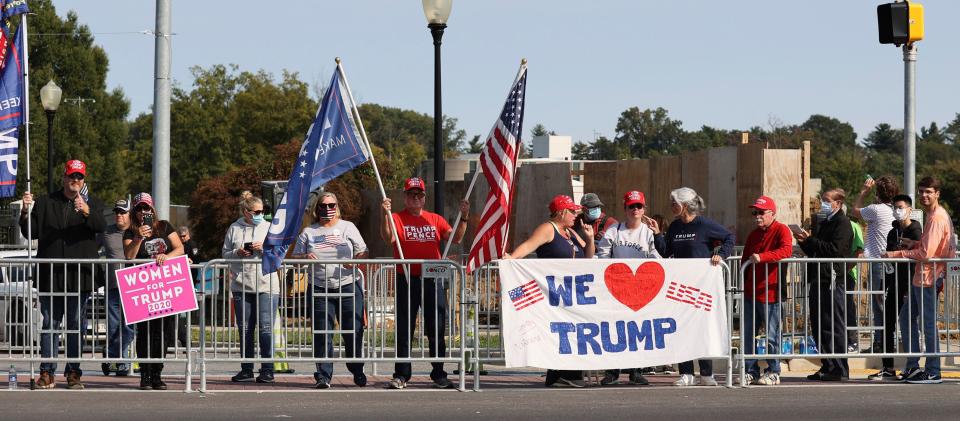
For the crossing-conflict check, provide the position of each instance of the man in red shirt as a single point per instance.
(421, 235)
(770, 242)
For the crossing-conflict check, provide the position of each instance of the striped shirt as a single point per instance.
(879, 218)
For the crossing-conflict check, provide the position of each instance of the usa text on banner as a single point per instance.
(149, 291)
(601, 314)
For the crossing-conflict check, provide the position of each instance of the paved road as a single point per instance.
(785, 402)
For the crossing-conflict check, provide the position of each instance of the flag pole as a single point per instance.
(523, 67)
(373, 161)
(26, 125)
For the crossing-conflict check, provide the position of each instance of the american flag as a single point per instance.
(690, 295)
(525, 295)
(326, 241)
(498, 161)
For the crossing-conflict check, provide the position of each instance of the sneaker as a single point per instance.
(442, 383)
(769, 379)
(883, 375)
(397, 383)
(638, 379)
(667, 369)
(322, 383)
(750, 379)
(106, 368)
(914, 373)
(46, 380)
(123, 370)
(925, 378)
(266, 376)
(242, 377)
(610, 379)
(853, 349)
(157, 383)
(562, 382)
(686, 380)
(136, 367)
(360, 379)
(708, 381)
(648, 371)
(73, 381)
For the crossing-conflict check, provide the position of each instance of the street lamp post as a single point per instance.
(50, 95)
(437, 12)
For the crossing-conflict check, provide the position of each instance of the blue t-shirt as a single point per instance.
(697, 239)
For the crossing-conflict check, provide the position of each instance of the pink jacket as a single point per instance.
(935, 242)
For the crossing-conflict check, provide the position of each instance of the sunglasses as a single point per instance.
(635, 206)
(256, 212)
(76, 176)
(142, 208)
(417, 195)
(327, 205)
(758, 212)
(120, 212)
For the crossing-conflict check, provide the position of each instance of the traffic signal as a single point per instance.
(900, 23)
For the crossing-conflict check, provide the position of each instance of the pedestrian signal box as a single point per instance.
(900, 23)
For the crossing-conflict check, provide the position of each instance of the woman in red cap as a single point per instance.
(150, 238)
(556, 239)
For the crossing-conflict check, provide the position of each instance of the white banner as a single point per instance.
(593, 314)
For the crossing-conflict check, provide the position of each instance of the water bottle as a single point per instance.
(12, 378)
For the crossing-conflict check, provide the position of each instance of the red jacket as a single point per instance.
(772, 244)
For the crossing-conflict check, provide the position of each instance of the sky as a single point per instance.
(729, 65)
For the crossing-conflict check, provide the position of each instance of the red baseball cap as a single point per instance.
(142, 198)
(634, 196)
(414, 183)
(75, 166)
(561, 202)
(764, 203)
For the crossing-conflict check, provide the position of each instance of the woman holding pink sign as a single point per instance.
(149, 238)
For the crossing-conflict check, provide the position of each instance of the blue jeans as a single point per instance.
(923, 315)
(326, 312)
(255, 309)
(53, 309)
(768, 316)
(119, 334)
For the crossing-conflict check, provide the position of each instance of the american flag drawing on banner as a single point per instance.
(525, 295)
(498, 161)
(327, 241)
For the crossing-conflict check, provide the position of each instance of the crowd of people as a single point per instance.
(67, 224)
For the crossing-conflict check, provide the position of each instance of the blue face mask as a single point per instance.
(593, 213)
(257, 219)
(825, 209)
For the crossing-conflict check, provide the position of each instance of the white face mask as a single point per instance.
(900, 213)
(593, 214)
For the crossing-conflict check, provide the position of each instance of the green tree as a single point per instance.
(642, 134)
(92, 131)
(475, 145)
(883, 138)
(581, 151)
(538, 130)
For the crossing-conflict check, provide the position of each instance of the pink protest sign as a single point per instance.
(149, 291)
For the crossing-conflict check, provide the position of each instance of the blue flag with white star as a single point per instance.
(333, 146)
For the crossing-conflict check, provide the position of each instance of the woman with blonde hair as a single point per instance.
(255, 296)
(337, 291)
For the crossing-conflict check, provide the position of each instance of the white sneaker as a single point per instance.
(769, 379)
(686, 380)
(708, 381)
(749, 379)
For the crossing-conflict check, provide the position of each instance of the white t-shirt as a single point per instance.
(341, 241)
(621, 242)
(879, 218)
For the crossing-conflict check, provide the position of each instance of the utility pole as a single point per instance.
(161, 111)
(910, 119)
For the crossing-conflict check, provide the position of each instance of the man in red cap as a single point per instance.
(421, 235)
(770, 242)
(66, 226)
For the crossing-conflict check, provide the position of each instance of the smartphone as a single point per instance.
(795, 228)
(148, 219)
(248, 247)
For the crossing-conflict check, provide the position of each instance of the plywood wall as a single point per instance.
(783, 182)
(537, 184)
(723, 185)
(665, 175)
(750, 168)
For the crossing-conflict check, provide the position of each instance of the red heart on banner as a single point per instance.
(634, 290)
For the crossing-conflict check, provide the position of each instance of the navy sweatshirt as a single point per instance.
(697, 239)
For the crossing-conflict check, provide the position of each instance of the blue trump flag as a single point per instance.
(332, 147)
(11, 114)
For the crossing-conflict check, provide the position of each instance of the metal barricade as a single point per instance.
(827, 316)
(302, 317)
(45, 300)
